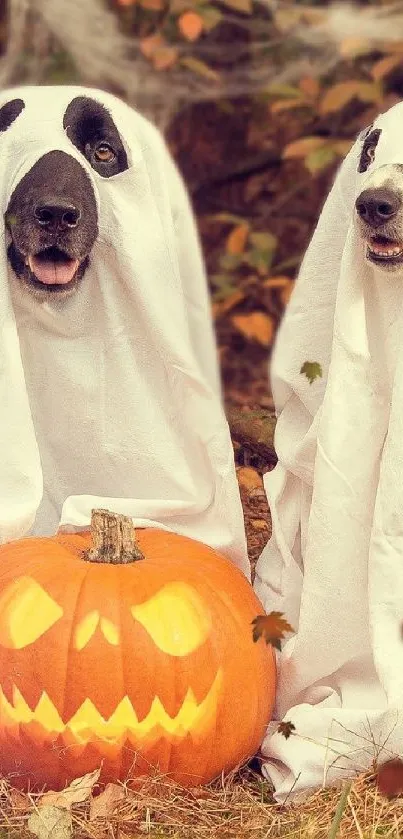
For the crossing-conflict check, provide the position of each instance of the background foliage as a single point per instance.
(259, 100)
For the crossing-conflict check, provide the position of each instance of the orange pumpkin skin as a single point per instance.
(139, 666)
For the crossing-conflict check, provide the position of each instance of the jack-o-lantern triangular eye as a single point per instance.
(176, 617)
(26, 613)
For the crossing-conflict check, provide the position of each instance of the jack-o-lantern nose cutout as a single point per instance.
(88, 626)
(176, 618)
(26, 613)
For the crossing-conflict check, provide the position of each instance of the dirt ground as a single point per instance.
(211, 146)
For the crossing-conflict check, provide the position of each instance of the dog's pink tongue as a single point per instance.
(53, 273)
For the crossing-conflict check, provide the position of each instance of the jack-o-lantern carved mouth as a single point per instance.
(88, 724)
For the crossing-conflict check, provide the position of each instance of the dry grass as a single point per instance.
(239, 807)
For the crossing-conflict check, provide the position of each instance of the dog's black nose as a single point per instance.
(377, 206)
(54, 216)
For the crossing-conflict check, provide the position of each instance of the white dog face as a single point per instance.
(52, 216)
(379, 205)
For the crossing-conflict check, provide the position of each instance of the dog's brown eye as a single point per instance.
(104, 153)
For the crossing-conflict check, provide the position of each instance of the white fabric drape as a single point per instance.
(334, 564)
(111, 397)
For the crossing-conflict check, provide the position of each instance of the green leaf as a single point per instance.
(61, 69)
(200, 68)
(244, 6)
(286, 91)
(312, 370)
(341, 806)
(261, 261)
(230, 261)
(211, 17)
(224, 293)
(291, 262)
(319, 159)
(263, 241)
(225, 106)
(223, 287)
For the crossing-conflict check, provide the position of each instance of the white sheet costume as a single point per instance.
(334, 564)
(111, 398)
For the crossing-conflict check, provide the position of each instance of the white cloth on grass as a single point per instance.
(111, 397)
(334, 564)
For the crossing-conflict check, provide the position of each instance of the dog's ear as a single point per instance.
(365, 131)
(369, 138)
(9, 112)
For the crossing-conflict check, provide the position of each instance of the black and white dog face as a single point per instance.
(52, 215)
(379, 207)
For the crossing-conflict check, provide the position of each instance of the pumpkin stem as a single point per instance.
(113, 539)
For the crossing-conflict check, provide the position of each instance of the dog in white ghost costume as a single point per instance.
(109, 384)
(334, 564)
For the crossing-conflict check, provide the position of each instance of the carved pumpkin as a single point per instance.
(131, 652)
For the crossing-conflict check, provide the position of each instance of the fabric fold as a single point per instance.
(332, 564)
(115, 390)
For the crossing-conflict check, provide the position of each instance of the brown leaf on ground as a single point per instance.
(79, 790)
(249, 478)
(390, 778)
(50, 823)
(104, 805)
(259, 524)
(20, 801)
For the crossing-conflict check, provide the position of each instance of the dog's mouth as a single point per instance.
(382, 250)
(53, 268)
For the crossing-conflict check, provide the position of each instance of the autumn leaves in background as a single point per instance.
(179, 21)
(325, 111)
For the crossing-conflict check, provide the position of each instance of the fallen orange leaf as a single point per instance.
(249, 478)
(164, 58)
(385, 66)
(353, 46)
(339, 95)
(237, 239)
(303, 146)
(149, 45)
(259, 524)
(310, 86)
(256, 326)
(190, 25)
